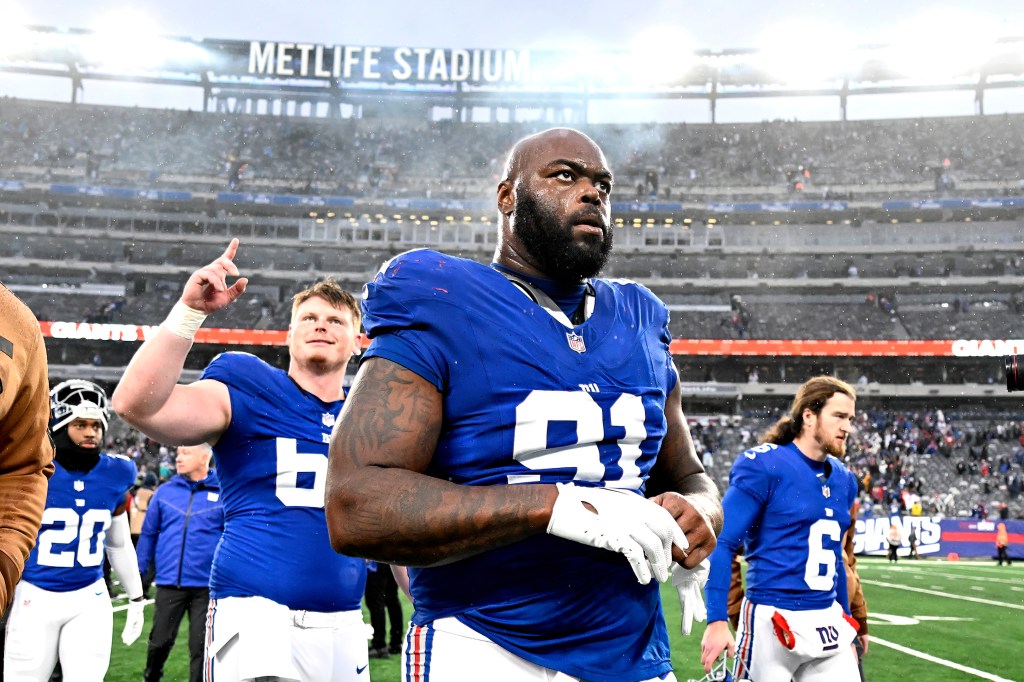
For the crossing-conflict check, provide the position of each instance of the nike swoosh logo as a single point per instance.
(359, 671)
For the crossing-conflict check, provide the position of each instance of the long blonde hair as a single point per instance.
(811, 396)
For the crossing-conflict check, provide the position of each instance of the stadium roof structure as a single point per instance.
(234, 75)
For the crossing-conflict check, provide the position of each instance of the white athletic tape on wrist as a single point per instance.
(184, 321)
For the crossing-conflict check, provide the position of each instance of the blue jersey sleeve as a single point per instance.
(751, 473)
(395, 315)
(403, 348)
(234, 369)
(741, 513)
(126, 473)
(842, 592)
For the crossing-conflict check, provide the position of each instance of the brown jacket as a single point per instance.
(858, 607)
(26, 451)
(140, 503)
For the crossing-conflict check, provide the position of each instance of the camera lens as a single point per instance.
(1014, 365)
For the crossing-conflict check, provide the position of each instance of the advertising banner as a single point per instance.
(938, 537)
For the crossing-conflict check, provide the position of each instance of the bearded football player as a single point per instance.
(62, 610)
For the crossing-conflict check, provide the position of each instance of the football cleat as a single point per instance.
(77, 399)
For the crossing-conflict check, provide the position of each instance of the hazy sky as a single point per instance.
(945, 26)
(525, 23)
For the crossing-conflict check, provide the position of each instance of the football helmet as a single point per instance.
(77, 399)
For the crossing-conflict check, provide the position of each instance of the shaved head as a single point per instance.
(555, 206)
(540, 141)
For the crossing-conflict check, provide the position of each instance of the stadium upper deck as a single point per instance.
(371, 159)
(137, 198)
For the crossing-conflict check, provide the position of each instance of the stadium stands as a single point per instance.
(867, 271)
(206, 151)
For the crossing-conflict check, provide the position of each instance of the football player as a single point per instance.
(504, 435)
(788, 504)
(283, 604)
(62, 609)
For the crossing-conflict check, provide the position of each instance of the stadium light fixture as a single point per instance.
(942, 42)
(130, 40)
(15, 38)
(660, 54)
(805, 51)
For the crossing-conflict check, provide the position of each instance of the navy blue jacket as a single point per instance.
(183, 525)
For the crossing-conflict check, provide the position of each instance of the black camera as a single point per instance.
(1014, 365)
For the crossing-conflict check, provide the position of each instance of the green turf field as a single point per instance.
(931, 620)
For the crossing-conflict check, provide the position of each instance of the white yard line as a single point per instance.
(939, 593)
(941, 661)
(958, 576)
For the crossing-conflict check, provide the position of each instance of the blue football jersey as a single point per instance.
(528, 400)
(272, 465)
(79, 506)
(794, 543)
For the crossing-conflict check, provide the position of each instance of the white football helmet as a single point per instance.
(77, 399)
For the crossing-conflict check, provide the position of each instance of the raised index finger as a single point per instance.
(229, 252)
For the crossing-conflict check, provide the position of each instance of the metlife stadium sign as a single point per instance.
(388, 64)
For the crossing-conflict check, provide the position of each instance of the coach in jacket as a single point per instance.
(183, 524)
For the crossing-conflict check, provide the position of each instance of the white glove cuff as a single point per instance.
(184, 321)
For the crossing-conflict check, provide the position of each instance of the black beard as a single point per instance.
(74, 457)
(551, 245)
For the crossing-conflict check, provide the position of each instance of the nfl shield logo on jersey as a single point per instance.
(327, 419)
(79, 486)
(576, 342)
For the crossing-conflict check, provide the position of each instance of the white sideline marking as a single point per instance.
(937, 593)
(941, 661)
(920, 575)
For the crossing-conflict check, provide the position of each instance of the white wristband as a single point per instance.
(184, 321)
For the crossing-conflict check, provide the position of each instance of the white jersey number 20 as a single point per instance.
(88, 532)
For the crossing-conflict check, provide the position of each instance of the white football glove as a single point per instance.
(134, 618)
(688, 583)
(622, 522)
